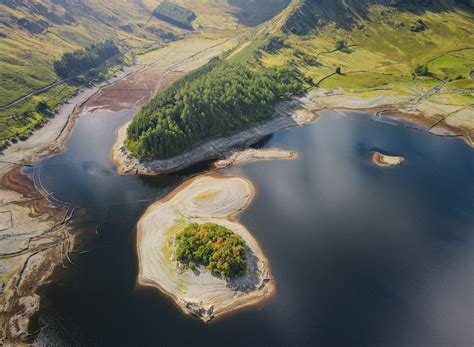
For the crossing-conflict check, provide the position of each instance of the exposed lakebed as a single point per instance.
(359, 254)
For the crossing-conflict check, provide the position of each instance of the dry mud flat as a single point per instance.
(383, 160)
(34, 237)
(198, 292)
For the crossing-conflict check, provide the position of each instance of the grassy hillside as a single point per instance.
(376, 46)
(33, 34)
(36, 33)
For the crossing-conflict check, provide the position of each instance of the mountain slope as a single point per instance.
(311, 14)
(35, 33)
(255, 12)
(376, 46)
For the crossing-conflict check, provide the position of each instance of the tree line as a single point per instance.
(81, 61)
(215, 100)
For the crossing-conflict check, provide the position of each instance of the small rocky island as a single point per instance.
(191, 248)
(383, 160)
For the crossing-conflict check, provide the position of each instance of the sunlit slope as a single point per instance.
(385, 50)
(376, 45)
(33, 34)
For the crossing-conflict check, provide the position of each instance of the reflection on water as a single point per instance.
(360, 255)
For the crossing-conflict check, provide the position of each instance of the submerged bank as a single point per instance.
(198, 292)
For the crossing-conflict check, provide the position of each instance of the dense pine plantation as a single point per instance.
(175, 14)
(215, 100)
(83, 60)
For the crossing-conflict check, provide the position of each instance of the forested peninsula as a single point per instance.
(215, 100)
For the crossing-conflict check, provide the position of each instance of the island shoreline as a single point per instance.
(237, 305)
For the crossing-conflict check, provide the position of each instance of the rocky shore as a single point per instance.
(383, 160)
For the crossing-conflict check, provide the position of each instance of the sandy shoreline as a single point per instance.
(383, 160)
(202, 199)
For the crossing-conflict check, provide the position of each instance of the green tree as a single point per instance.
(42, 107)
(340, 45)
(422, 70)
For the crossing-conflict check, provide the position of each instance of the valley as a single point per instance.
(98, 164)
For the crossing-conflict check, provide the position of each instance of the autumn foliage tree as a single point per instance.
(213, 246)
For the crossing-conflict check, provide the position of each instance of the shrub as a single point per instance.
(340, 45)
(422, 70)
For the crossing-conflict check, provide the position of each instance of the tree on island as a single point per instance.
(213, 246)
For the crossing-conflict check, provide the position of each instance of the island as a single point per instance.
(230, 273)
(383, 160)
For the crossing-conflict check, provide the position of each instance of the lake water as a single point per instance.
(360, 255)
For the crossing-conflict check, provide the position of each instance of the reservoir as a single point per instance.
(361, 255)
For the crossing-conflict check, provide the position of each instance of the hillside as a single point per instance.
(376, 46)
(255, 12)
(34, 34)
(417, 55)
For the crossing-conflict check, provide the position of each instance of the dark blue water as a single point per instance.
(360, 255)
